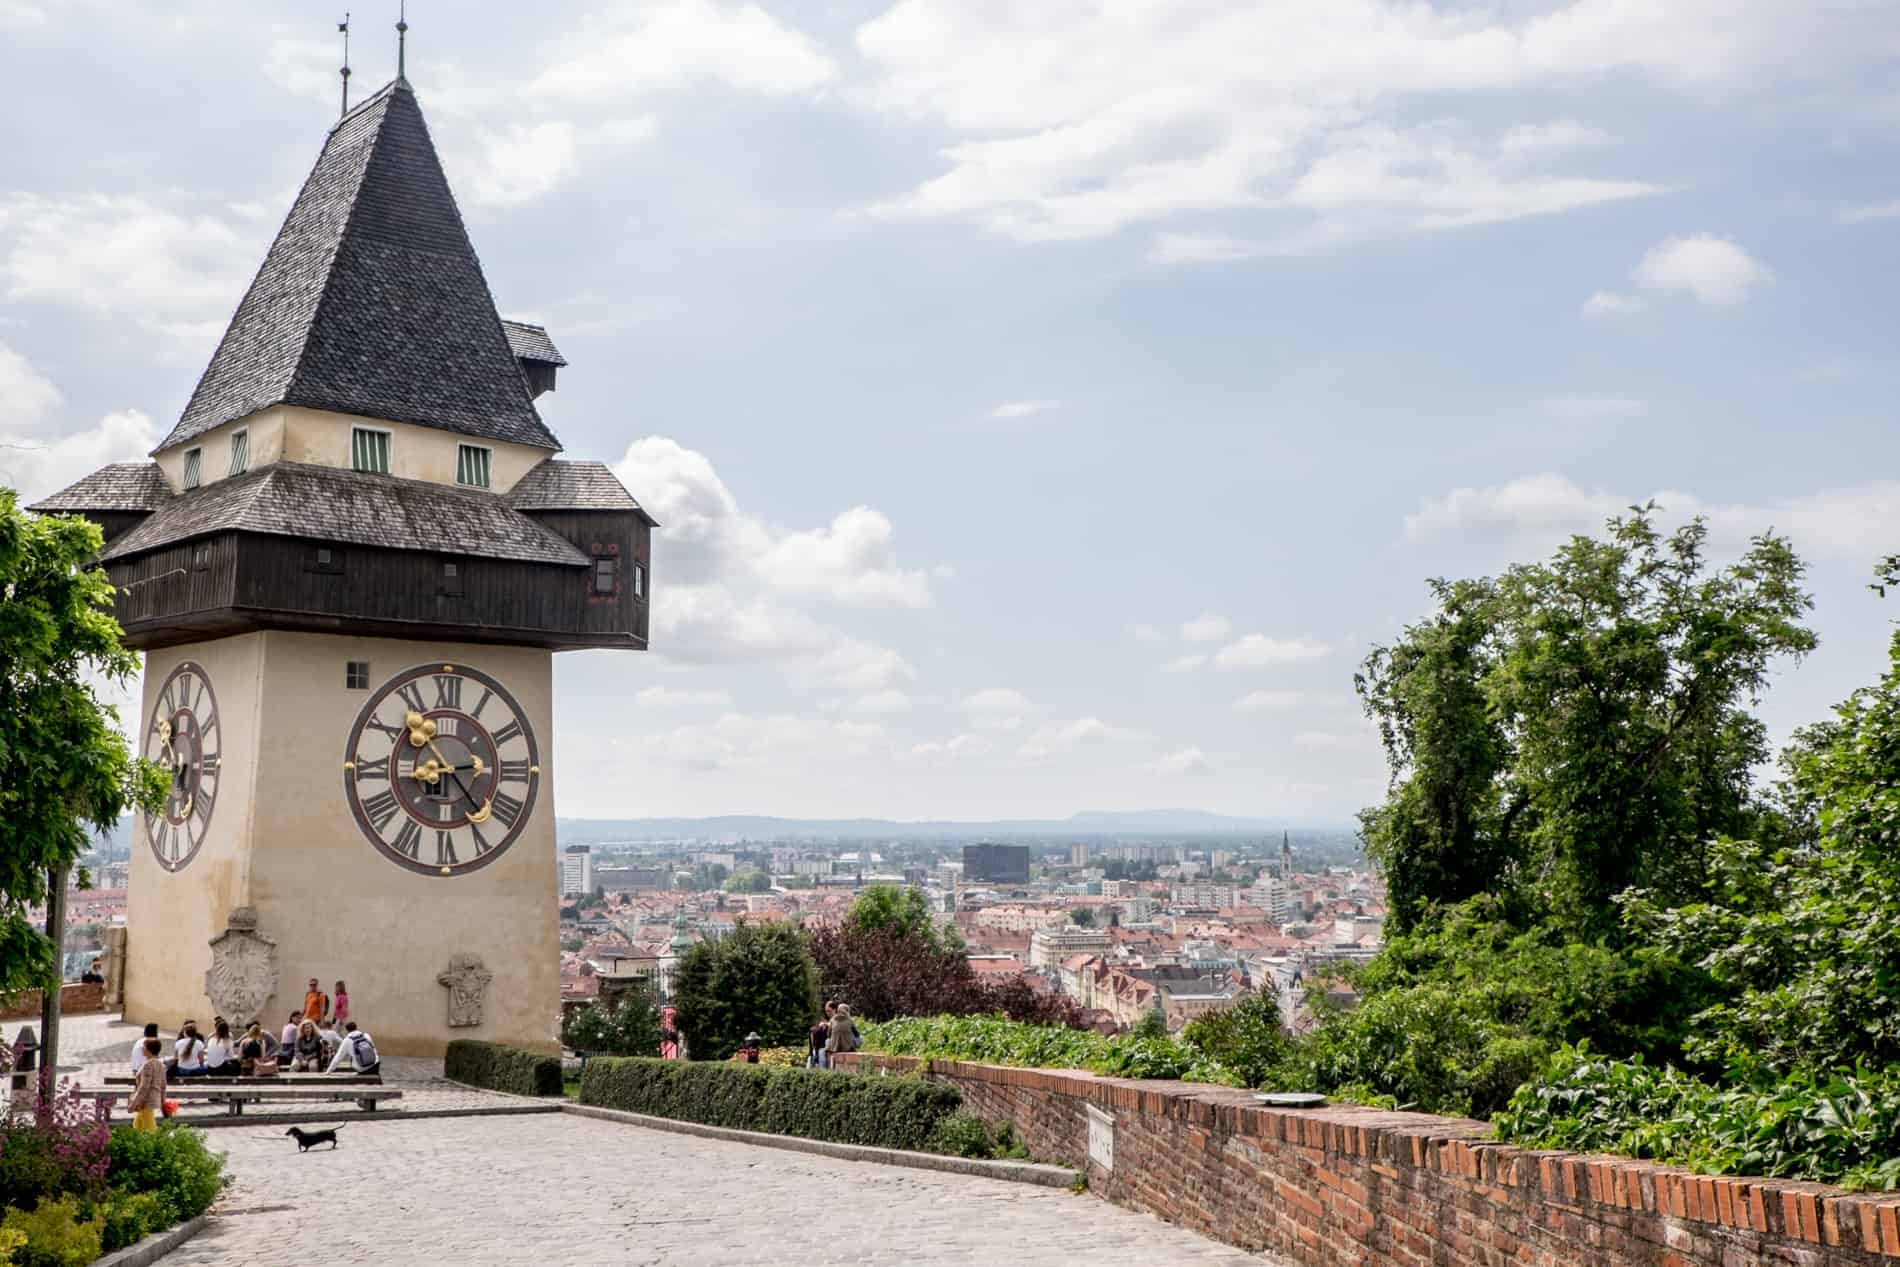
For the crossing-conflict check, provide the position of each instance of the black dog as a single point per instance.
(307, 1140)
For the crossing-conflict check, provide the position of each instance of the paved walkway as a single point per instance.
(561, 1189)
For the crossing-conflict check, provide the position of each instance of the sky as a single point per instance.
(1046, 404)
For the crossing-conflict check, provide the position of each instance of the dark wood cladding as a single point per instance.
(613, 534)
(234, 582)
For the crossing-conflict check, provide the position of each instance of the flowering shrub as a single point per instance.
(61, 1150)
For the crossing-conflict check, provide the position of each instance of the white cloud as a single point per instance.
(39, 467)
(1077, 119)
(862, 666)
(958, 748)
(1184, 663)
(1870, 211)
(1024, 408)
(1206, 628)
(737, 741)
(1288, 701)
(1714, 270)
(992, 700)
(1060, 737)
(1851, 523)
(657, 46)
(852, 560)
(26, 396)
(1257, 651)
(18, 15)
(1185, 761)
(886, 701)
(129, 254)
(520, 163)
(1605, 304)
(1363, 741)
(667, 697)
(1592, 406)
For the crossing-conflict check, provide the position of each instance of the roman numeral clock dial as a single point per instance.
(442, 769)
(182, 736)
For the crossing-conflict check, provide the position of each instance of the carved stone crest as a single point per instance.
(467, 980)
(243, 972)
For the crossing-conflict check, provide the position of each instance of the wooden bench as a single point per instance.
(268, 1080)
(234, 1098)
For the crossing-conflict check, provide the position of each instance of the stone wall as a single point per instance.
(74, 1000)
(1351, 1187)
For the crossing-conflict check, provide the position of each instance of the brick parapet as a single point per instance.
(1344, 1186)
(75, 999)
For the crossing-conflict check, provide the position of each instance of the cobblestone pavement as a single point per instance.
(102, 1045)
(563, 1190)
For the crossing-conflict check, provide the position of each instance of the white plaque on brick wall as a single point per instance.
(1101, 1137)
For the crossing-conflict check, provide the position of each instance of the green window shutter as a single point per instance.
(240, 453)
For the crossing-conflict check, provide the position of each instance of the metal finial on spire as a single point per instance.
(402, 39)
(344, 27)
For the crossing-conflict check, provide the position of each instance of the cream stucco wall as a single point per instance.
(337, 907)
(293, 434)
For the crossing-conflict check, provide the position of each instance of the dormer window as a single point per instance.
(240, 451)
(471, 465)
(369, 450)
(194, 467)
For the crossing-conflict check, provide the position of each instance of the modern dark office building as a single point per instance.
(996, 864)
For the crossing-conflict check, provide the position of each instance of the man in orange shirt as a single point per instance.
(316, 1004)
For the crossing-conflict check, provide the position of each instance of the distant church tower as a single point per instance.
(1286, 857)
(349, 565)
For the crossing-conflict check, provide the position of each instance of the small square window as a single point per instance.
(240, 451)
(606, 576)
(356, 675)
(323, 559)
(472, 462)
(194, 467)
(369, 450)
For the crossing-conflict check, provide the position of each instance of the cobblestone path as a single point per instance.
(556, 1190)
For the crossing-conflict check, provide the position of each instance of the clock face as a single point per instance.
(442, 769)
(182, 736)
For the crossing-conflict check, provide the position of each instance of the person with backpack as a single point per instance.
(316, 1004)
(356, 1053)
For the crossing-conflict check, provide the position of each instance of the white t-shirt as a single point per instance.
(288, 1039)
(217, 1052)
(191, 1053)
(138, 1053)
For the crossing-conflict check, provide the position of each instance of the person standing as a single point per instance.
(340, 1006)
(669, 1034)
(316, 1004)
(148, 1089)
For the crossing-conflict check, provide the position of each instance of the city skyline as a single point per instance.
(1058, 431)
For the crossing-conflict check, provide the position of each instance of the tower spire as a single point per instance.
(402, 41)
(344, 27)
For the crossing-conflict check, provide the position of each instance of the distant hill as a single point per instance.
(1165, 822)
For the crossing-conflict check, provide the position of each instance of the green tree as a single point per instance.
(65, 769)
(1246, 1036)
(760, 977)
(903, 912)
(1800, 923)
(1083, 917)
(1578, 726)
(749, 882)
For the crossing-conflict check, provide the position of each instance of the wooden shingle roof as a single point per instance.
(323, 503)
(559, 485)
(371, 301)
(122, 486)
(531, 342)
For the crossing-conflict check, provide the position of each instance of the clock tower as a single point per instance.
(349, 566)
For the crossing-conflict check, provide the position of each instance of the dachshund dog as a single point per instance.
(307, 1140)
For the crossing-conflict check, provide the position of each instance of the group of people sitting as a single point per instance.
(318, 1039)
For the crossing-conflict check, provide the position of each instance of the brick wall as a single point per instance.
(74, 1000)
(1352, 1187)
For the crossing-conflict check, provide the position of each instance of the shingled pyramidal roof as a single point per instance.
(371, 300)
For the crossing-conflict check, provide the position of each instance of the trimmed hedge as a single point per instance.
(499, 1068)
(841, 1108)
